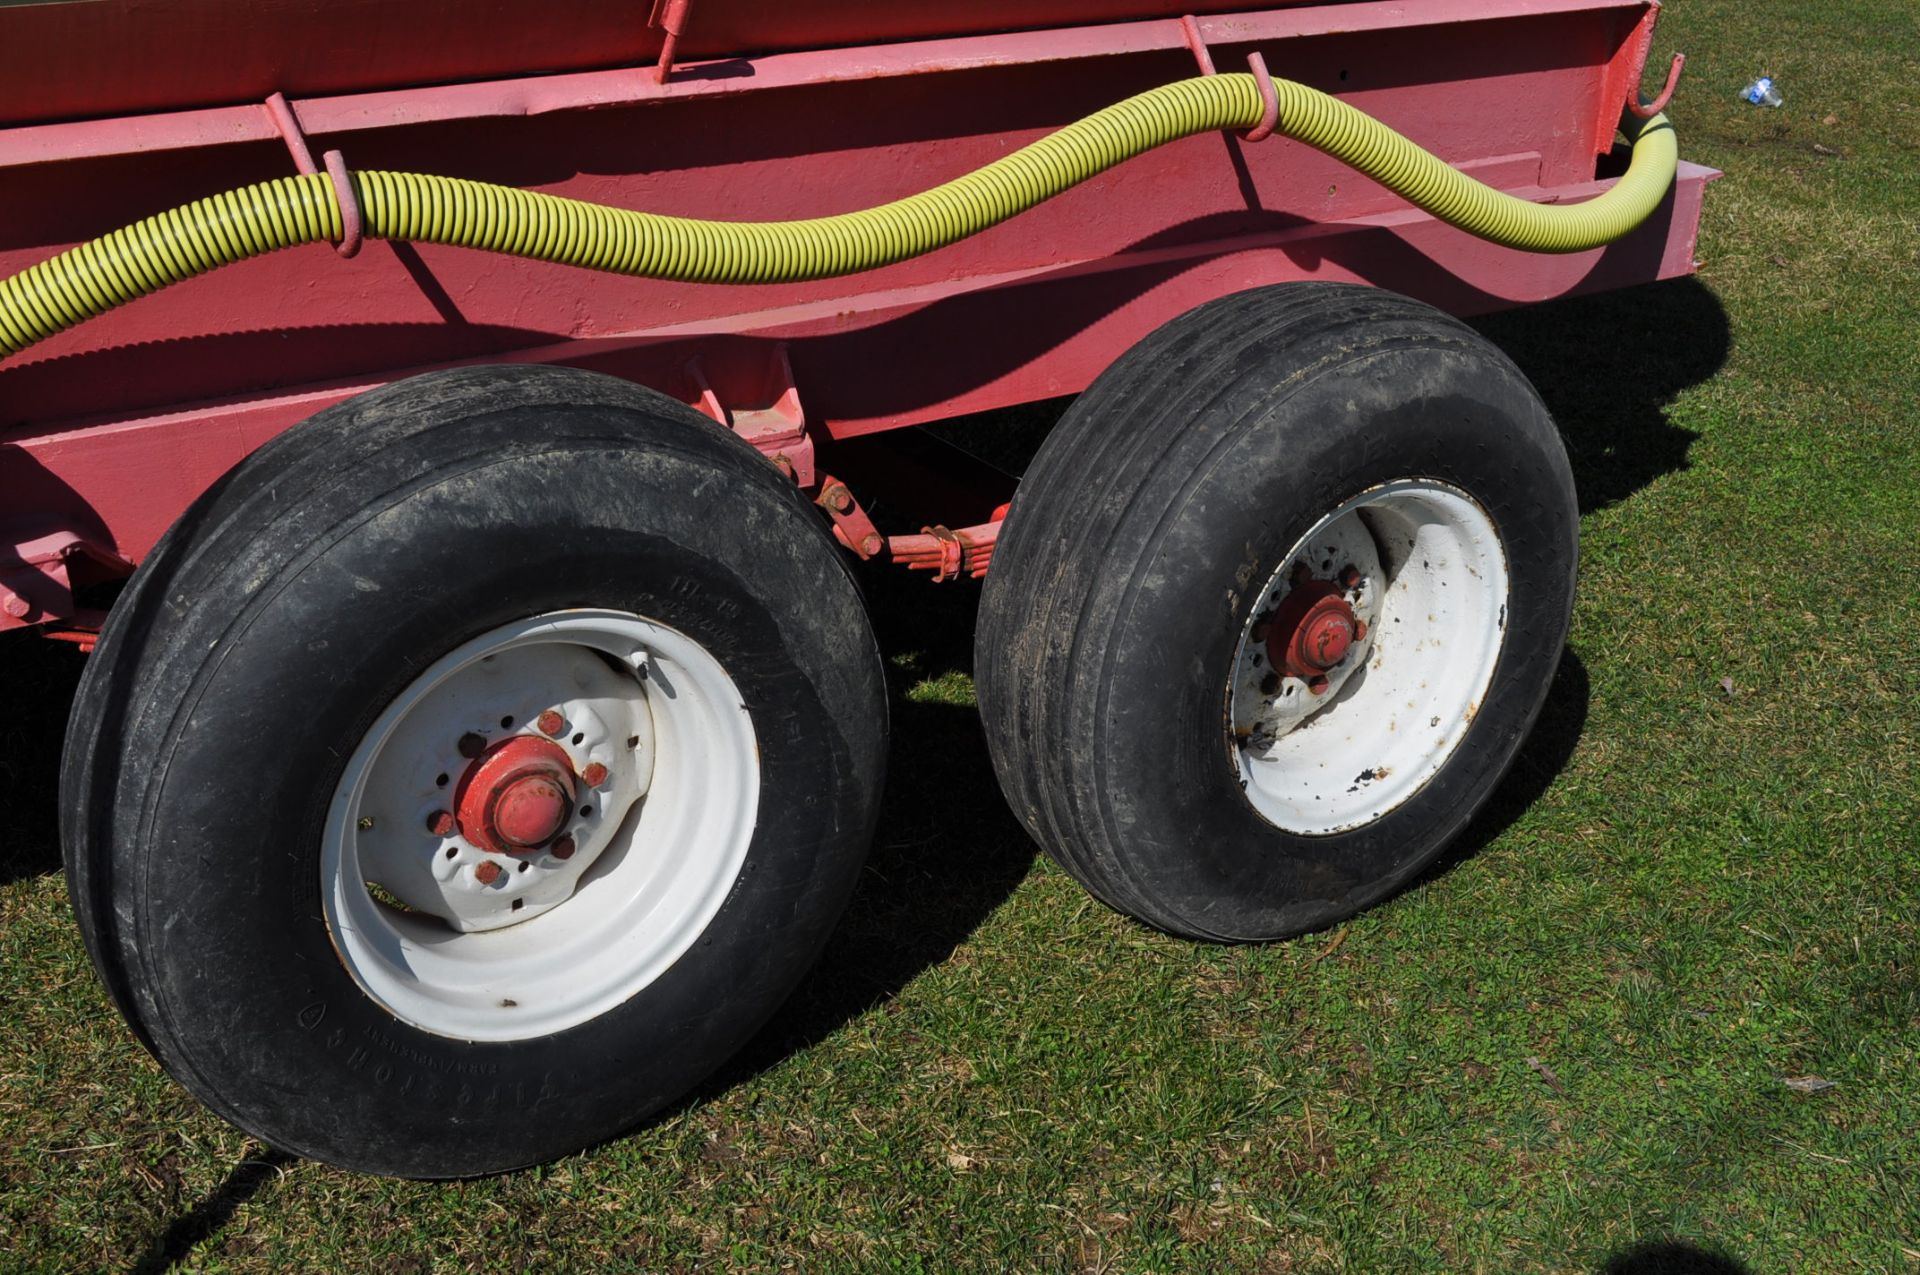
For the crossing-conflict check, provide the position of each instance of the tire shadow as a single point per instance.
(947, 852)
(1545, 753)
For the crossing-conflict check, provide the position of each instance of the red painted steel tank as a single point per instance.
(111, 110)
(80, 59)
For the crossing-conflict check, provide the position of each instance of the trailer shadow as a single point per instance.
(211, 1212)
(40, 678)
(1671, 1257)
(1608, 367)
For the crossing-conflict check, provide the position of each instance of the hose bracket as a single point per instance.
(1269, 97)
(352, 225)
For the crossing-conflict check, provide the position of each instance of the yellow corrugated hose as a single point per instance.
(208, 233)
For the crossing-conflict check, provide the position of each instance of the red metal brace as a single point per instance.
(851, 526)
(1269, 96)
(351, 224)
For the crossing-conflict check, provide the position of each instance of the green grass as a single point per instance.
(1682, 896)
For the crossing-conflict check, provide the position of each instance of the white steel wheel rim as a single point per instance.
(1430, 586)
(679, 816)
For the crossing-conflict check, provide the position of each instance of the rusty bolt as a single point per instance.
(594, 775)
(1318, 686)
(472, 744)
(550, 722)
(839, 499)
(871, 545)
(1349, 577)
(1359, 630)
(487, 873)
(441, 823)
(16, 606)
(563, 848)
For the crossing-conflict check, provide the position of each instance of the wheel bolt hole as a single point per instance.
(580, 739)
(452, 851)
(440, 780)
(506, 723)
(518, 904)
(633, 741)
(586, 812)
(524, 865)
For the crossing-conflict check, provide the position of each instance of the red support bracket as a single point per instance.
(753, 395)
(352, 225)
(36, 578)
(671, 17)
(1269, 96)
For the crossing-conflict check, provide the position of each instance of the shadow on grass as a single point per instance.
(40, 680)
(211, 1213)
(1671, 1257)
(1608, 366)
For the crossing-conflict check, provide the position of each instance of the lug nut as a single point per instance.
(550, 722)
(1359, 630)
(1349, 577)
(594, 775)
(441, 823)
(487, 873)
(871, 545)
(1318, 686)
(839, 498)
(472, 744)
(563, 848)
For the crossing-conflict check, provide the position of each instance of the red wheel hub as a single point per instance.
(1312, 631)
(517, 796)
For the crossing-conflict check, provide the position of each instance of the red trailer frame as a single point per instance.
(110, 430)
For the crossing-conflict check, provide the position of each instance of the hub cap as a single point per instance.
(517, 796)
(539, 825)
(1366, 658)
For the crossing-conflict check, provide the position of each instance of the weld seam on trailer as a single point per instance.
(190, 240)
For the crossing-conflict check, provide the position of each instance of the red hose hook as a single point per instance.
(1647, 110)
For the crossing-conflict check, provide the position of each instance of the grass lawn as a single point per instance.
(1566, 1050)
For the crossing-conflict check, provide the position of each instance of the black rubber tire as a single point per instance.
(1130, 562)
(292, 602)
